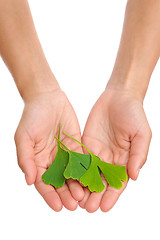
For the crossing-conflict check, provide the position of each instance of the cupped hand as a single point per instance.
(118, 132)
(36, 146)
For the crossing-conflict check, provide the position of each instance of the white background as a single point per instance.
(80, 40)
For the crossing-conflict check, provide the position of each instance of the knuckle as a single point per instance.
(16, 136)
(144, 158)
(150, 132)
(20, 164)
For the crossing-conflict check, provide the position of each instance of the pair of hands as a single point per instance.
(116, 130)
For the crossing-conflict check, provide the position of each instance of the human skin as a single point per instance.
(117, 129)
(45, 104)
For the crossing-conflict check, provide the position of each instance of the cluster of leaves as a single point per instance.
(86, 168)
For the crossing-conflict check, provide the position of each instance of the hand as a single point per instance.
(36, 146)
(118, 132)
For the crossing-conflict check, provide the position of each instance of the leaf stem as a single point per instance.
(62, 144)
(60, 126)
(59, 132)
(79, 143)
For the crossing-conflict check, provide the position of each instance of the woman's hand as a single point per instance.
(36, 146)
(118, 132)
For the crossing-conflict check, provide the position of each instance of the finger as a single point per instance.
(93, 202)
(76, 189)
(48, 192)
(25, 155)
(68, 201)
(138, 153)
(84, 200)
(110, 197)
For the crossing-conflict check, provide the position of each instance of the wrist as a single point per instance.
(133, 81)
(34, 84)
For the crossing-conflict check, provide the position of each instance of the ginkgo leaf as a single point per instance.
(77, 165)
(54, 174)
(114, 174)
(92, 178)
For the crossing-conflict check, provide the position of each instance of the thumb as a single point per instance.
(25, 155)
(138, 152)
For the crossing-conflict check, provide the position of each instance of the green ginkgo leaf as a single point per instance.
(114, 174)
(77, 165)
(92, 178)
(54, 174)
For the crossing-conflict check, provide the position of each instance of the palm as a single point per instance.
(38, 126)
(113, 131)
